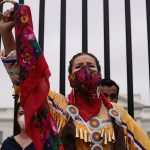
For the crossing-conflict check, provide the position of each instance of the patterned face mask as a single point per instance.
(85, 80)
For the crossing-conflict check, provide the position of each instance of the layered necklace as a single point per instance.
(93, 124)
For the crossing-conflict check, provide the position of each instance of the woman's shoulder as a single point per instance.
(9, 139)
(120, 109)
(58, 108)
(57, 98)
(57, 102)
(8, 142)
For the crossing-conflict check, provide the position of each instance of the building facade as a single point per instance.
(6, 123)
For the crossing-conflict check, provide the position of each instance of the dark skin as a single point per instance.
(110, 92)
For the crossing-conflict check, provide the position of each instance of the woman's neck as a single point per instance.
(23, 139)
(23, 134)
(88, 105)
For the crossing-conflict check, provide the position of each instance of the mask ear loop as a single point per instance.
(73, 95)
(98, 91)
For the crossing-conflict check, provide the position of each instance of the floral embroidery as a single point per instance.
(24, 19)
(28, 34)
(33, 75)
(28, 49)
(27, 59)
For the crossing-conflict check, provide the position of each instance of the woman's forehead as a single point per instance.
(83, 59)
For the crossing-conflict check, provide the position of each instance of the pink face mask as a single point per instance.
(85, 80)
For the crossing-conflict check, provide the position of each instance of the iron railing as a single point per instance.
(85, 41)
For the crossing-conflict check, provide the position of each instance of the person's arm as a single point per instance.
(137, 134)
(8, 42)
(6, 26)
(8, 55)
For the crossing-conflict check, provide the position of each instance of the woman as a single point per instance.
(86, 119)
(33, 77)
(21, 140)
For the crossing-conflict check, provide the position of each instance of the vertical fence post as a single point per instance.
(1, 10)
(62, 47)
(148, 33)
(21, 1)
(84, 26)
(15, 128)
(106, 39)
(41, 23)
(129, 58)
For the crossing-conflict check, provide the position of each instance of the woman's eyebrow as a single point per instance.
(90, 63)
(79, 64)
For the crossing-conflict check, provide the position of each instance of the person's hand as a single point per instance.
(7, 21)
(6, 24)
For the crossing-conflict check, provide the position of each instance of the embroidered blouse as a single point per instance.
(135, 137)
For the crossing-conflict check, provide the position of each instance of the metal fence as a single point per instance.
(85, 41)
(106, 42)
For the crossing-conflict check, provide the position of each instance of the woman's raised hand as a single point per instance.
(7, 21)
(7, 18)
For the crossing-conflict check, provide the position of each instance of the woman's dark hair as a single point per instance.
(120, 141)
(80, 54)
(118, 129)
(17, 129)
(119, 135)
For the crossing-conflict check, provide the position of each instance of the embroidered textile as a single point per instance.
(34, 83)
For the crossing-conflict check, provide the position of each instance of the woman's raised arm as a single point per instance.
(6, 26)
